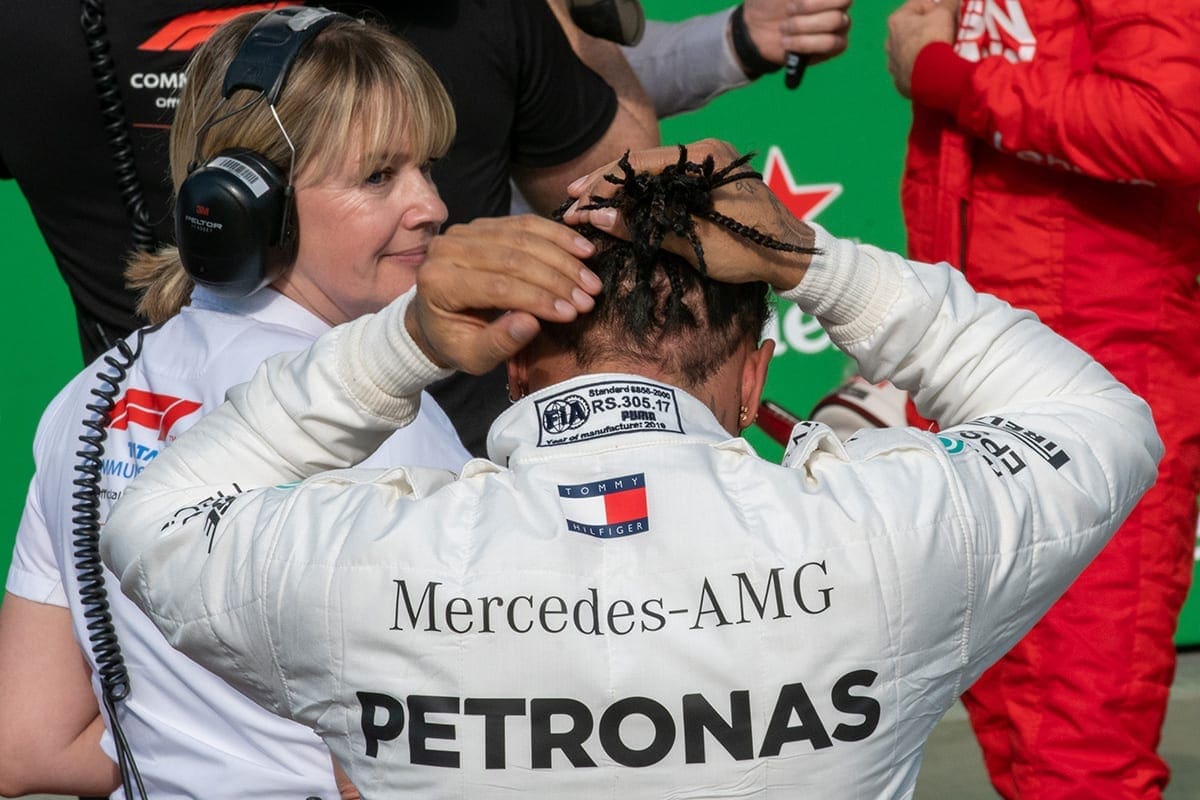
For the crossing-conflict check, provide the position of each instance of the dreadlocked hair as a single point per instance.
(654, 306)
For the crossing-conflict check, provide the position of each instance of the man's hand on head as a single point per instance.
(485, 285)
(911, 27)
(729, 257)
(817, 29)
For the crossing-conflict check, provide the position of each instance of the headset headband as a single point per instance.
(262, 64)
(263, 61)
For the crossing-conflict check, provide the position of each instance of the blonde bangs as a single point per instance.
(406, 107)
(388, 103)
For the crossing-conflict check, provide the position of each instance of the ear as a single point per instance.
(518, 375)
(754, 378)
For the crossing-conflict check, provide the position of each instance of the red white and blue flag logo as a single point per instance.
(606, 509)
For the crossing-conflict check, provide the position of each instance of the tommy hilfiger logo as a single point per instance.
(158, 412)
(606, 509)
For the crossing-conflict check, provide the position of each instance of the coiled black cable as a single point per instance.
(116, 123)
(85, 542)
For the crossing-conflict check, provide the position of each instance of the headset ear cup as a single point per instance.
(289, 229)
(229, 218)
(287, 244)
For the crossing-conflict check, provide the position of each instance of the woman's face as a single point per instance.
(361, 239)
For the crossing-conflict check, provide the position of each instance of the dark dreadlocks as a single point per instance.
(655, 307)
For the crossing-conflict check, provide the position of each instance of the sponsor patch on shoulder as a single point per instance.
(606, 509)
(953, 446)
(1004, 445)
(606, 408)
(1041, 446)
(212, 507)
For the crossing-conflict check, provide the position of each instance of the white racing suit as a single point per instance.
(626, 601)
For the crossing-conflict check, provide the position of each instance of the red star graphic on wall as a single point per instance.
(805, 202)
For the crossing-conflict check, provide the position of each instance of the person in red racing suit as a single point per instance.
(1054, 156)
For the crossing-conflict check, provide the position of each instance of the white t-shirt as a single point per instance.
(192, 735)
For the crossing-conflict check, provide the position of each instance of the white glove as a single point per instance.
(858, 403)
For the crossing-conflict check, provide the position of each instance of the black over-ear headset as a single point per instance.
(234, 216)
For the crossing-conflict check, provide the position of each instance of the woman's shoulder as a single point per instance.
(196, 355)
(204, 337)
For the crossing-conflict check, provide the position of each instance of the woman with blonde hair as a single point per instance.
(349, 118)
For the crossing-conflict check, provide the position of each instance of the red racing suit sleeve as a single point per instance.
(1112, 95)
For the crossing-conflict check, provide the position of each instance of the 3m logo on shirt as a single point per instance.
(158, 412)
(995, 28)
(606, 509)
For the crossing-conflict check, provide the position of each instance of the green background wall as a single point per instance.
(41, 350)
(845, 127)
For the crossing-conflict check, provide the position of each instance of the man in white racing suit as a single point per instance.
(626, 599)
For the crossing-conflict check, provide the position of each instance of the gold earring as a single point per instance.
(742, 412)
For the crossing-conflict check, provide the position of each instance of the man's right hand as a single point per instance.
(912, 26)
(729, 257)
(817, 29)
(485, 285)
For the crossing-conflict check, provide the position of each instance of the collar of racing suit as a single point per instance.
(601, 412)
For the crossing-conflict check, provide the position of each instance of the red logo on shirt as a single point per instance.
(190, 30)
(995, 28)
(158, 412)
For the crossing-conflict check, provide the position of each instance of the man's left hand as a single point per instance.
(485, 286)
(911, 27)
